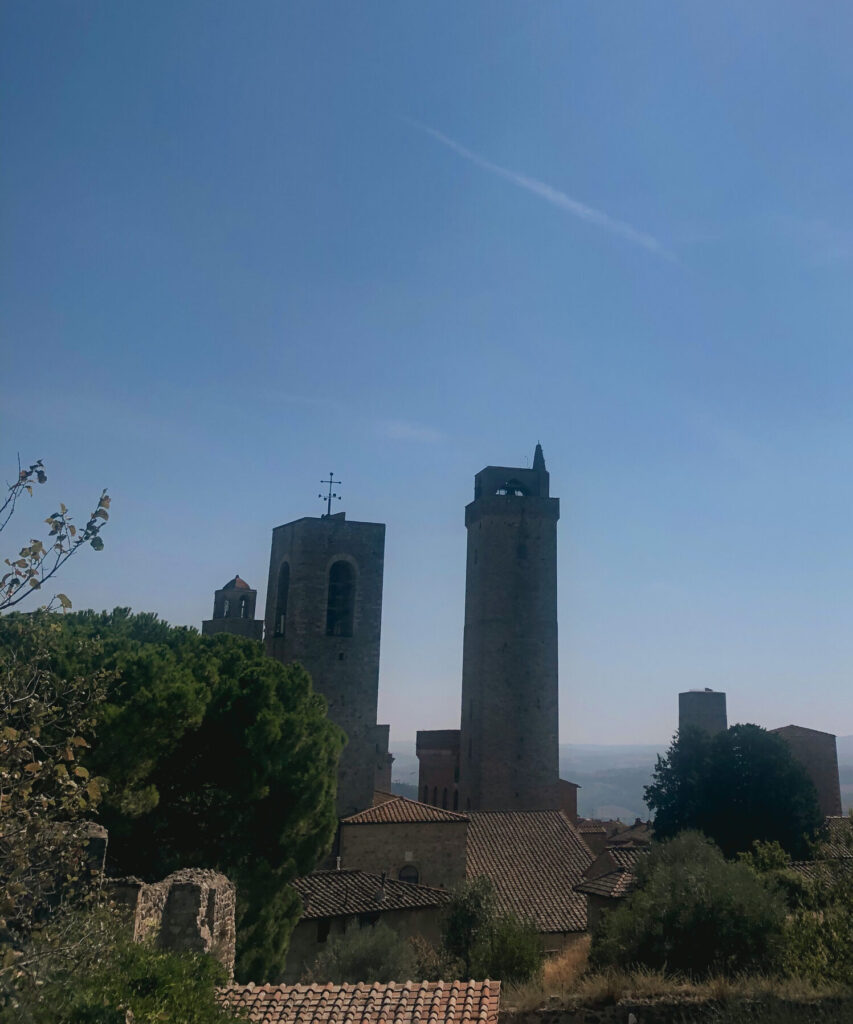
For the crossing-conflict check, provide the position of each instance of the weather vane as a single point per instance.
(328, 497)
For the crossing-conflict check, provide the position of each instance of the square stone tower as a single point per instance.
(508, 757)
(324, 610)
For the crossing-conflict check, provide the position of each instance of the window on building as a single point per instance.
(444, 798)
(226, 607)
(323, 927)
(368, 919)
(512, 487)
(281, 599)
(409, 873)
(341, 604)
(455, 799)
(426, 794)
(244, 607)
(435, 796)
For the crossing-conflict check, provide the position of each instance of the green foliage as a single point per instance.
(111, 980)
(46, 725)
(694, 912)
(365, 954)
(736, 787)
(486, 943)
(216, 756)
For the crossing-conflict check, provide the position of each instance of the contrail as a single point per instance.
(552, 195)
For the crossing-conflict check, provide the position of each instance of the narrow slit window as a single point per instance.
(281, 599)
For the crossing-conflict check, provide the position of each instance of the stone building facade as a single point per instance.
(324, 610)
(703, 709)
(818, 753)
(334, 902)
(408, 841)
(234, 611)
(438, 767)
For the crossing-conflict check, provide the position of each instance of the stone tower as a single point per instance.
(703, 709)
(234, 611)
(508, 756)
(324, 610)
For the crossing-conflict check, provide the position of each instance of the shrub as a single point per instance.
(365, 954)
(694, 912)
(486, 942)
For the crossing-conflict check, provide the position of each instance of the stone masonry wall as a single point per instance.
(817, 752)
(436, 849)
(191, 910)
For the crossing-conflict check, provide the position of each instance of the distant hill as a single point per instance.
(611, 777)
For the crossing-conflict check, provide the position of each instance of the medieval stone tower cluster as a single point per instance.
(324, 610)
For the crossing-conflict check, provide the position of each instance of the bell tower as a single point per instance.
(508, 757)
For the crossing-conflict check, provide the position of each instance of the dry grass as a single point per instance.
(567, 981)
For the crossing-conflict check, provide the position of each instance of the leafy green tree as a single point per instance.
(736, 787)
(486, 942)
(112, 980)
(46, 794)
(365, 954)
(215, 756)
(695, 913)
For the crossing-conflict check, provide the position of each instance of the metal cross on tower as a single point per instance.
(328, 497)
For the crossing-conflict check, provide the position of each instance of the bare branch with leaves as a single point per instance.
(40, 560)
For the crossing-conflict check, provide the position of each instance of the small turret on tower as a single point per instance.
(234, 611)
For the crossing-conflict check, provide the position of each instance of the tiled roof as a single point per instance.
(614, 885)
(236, 584)
(381, 797)
(534, 859)
(410, 1002)
(335, 893)
(838, 837)
(401, 810)
(591, 828)
(627, 856)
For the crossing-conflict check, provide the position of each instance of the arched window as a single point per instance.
(435, 796)
(244, 607)
(409, 873)
(426, 794)
(444, 798)
(281, 599)
(512, 487)
(226, 607)
(341, 604)
(455, 799)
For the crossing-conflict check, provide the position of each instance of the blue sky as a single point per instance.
(244, 244)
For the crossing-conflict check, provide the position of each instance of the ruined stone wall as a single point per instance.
(345, 669)
(436, 849)
(191, 910)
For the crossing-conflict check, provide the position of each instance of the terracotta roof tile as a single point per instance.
(401, 810)
(534, 859)
(335, 893)
(614, 885)
(410, 1002)
(236, 584)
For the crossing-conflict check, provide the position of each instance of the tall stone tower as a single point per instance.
(234, 611)
(324, 610)
(703, 709)
(508, 756)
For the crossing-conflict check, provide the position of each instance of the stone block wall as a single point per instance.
(190, 911)
(435, 849)
(817, 752)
